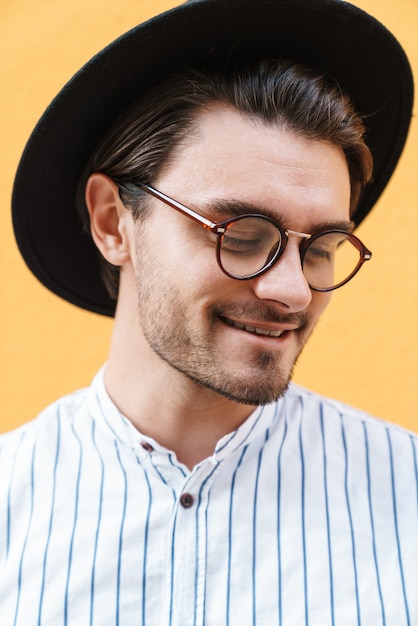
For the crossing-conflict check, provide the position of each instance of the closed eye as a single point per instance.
(242, 243)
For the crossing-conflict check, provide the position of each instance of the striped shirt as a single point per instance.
(306, 515)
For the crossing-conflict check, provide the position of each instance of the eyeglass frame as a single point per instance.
(220, 228)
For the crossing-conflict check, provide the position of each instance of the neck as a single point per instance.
(163, 403)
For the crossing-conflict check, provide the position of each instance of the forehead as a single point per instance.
(231, 156)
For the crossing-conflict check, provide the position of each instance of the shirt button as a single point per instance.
(186, 500)
(147, 446)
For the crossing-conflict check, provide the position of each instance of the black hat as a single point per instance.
(331, 35)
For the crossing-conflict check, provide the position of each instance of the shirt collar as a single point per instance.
(103, 408)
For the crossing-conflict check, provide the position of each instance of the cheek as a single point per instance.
(182, 246)
(176, 259)
(193, 268)
(184, 274)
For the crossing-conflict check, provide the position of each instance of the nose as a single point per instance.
(285, 282)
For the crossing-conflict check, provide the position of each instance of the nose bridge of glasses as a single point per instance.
(295, 233)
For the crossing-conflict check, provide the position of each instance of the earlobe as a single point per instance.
(108, 218)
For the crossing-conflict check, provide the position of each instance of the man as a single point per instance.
(220, 179)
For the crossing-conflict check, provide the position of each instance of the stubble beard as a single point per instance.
(194, 355)
(171, 334)
(198, 363)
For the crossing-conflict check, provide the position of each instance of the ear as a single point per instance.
(109, 218)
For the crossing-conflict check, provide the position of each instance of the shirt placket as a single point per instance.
(186, 558)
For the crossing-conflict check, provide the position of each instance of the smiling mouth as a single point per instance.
(254, 329)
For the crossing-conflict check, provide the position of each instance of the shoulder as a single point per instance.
(361, 453)
(45, 427)
(352, 419)
(313, 401)
(33, 456)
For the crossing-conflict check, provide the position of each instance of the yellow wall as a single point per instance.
(365, 349)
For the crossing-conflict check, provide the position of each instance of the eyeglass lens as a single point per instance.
(251, 244)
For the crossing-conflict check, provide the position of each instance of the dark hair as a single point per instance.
(282, 93)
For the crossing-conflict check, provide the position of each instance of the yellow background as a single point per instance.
(365, 348)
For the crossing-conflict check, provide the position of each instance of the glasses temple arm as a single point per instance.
(179, 207)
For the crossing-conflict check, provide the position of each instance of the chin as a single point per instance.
(266, 389)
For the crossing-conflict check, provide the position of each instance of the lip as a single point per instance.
(260, 329)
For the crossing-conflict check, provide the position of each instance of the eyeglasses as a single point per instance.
(249, 245)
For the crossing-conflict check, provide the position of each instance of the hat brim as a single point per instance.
(331, 35)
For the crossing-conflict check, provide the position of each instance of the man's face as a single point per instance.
(240, 339)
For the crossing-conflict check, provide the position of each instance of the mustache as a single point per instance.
(258, 312)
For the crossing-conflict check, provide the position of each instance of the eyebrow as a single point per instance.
(223, 209)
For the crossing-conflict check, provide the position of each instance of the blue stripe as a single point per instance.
(197, 546)
(254, 576)
(414, 456)
(234, 434)
(172, 571)
(279, 549)
(206, 560)
(9, 495)
(177, 466)
(99, 520)
(163, 480)
(331, 577)
(369, 491)
(302, 489)
(144, 566)
(51, 519)
(32, 491)
(103, 413)
(70, 554)
(350, 519)
(122, 524)
(229, 569)
(395, 517)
